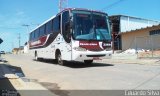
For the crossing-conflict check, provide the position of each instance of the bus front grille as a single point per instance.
(102, 55)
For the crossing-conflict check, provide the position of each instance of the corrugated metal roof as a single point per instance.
(141, 29)
(121, 15)
(129, 23)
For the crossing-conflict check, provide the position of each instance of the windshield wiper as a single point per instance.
(104, 39)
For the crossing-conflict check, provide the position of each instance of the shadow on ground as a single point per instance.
(16, 70)
(54, 88)
(76, 64)
(5, 84)
(6, 87)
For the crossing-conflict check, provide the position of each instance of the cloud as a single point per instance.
(20, 13)
(6, 34)
(10, 26)
(13, 20)
(7, 38)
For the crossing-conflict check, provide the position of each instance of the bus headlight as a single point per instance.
(79, 49)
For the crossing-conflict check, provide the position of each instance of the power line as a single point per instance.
(18, 27)
(113, 4)
(9, 27)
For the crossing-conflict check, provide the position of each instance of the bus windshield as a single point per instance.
(90, 26)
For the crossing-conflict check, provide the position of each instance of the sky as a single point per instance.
(15, 13)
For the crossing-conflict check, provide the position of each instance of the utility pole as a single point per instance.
(19, 39)
(28, 30)
(26, 25)
(63, 4)
(12, 46)
(113, 40)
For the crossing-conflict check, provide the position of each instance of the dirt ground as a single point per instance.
(155, 53)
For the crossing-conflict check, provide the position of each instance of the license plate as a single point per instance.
(96, 58)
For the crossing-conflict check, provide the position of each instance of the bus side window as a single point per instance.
(49, 27)
(56, 24)
(30, 36)
(42, 31)
(66, 26)
(36, 34)
(33, 38)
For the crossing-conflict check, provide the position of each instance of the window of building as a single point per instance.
(56, 24)
(49, 27)
(154, 32)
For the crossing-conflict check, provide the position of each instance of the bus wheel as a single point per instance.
(88, 62)
(59, 59)
(36, 56)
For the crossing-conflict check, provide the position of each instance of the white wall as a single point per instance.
(26, 48)
(131, 23)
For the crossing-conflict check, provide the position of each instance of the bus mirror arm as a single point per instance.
(67, 29)
(71, 24)
(67, 25)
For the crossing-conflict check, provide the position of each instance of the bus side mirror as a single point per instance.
(67, 32)
(71, 24)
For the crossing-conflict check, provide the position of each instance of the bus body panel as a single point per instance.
(49, 52)
(46, 46)
(89, 54)
(65, 48)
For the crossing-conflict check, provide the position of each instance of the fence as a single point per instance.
(147, 46)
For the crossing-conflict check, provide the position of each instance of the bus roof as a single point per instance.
(43, 23)
(81, 9)
(67, 9)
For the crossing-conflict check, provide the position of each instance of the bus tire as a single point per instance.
(36, 56)
(59, 59)
(88, 62)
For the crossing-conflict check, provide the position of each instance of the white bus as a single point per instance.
(73, 35)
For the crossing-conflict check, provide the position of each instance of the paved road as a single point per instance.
(97, 76)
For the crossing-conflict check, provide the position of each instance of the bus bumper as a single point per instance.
(89, 55)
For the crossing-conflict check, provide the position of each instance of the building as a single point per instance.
(26, 47)
(18, 50)
(147, 38)
(122, 24)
